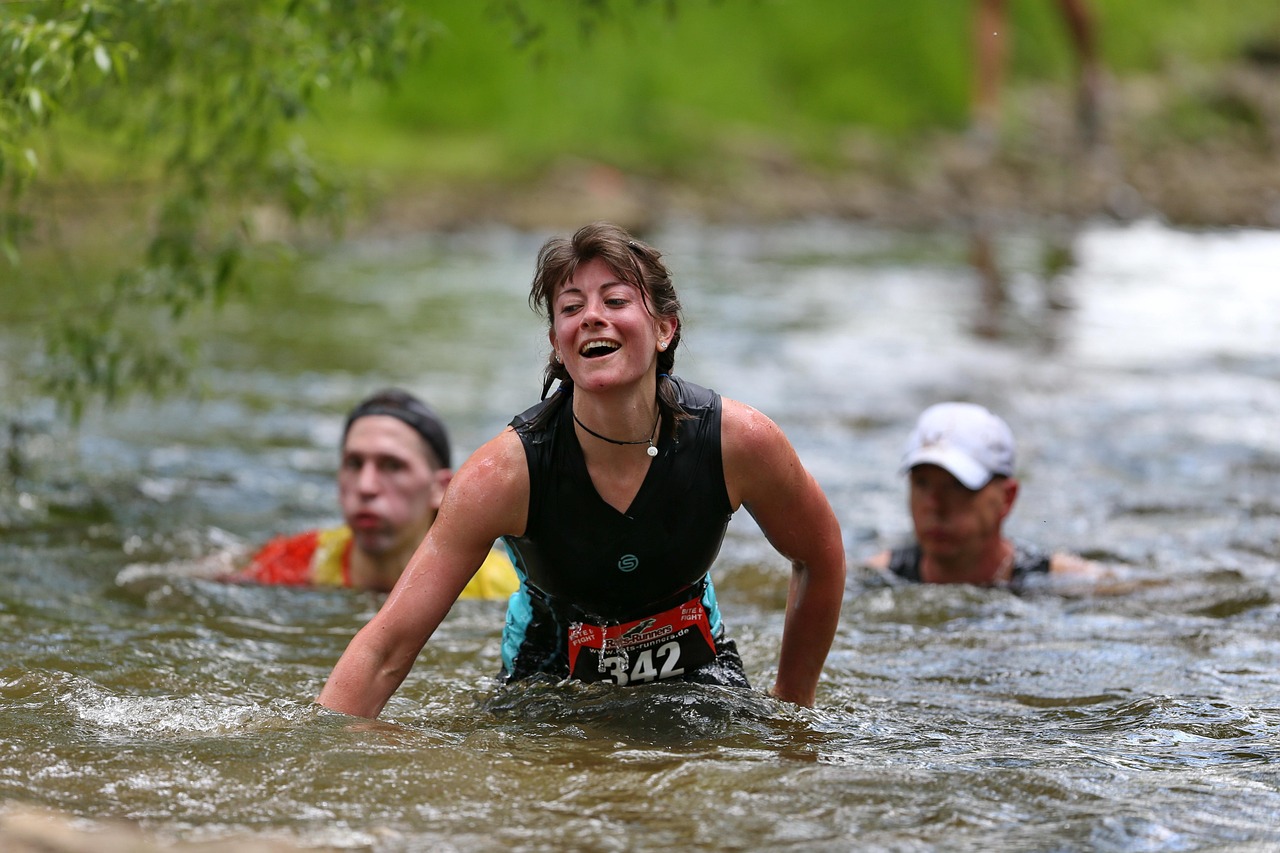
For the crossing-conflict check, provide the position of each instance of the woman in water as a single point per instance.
(613, 496)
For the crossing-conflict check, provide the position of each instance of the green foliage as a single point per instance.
(1155, 35)
(43, 60)
(666, 87)
(1218, 113)
(189, 99)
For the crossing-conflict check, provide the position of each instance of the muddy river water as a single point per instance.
(1143, 383)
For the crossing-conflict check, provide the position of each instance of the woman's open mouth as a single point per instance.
(595, 349)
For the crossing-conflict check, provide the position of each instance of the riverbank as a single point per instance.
(1195, 149)
(24, 829)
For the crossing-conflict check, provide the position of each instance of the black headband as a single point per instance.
(411, 411)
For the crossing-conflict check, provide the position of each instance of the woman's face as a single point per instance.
(602, 329)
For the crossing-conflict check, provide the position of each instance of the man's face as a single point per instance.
(387, 487)
(952, 521)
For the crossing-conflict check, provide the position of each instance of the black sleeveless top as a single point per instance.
(1028, 561)
(581, 552)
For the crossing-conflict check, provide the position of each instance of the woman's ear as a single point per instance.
(665, 328)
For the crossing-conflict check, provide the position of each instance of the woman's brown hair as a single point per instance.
(629, 259)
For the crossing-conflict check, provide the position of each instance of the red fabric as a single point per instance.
(285, 560)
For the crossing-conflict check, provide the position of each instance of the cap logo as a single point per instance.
(932, 439)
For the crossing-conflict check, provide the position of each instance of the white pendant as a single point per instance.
(652, 451)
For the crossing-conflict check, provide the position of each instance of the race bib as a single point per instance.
(665, 645)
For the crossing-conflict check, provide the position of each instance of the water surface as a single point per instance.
(133, 687)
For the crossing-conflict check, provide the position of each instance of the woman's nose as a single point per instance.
(591, 312)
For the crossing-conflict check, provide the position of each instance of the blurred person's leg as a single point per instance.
(988, 63)
(1083, 29)
(990, 40)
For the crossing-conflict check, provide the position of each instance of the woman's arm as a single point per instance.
(488, 498)
(765, 475)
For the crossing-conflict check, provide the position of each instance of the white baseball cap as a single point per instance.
(965, 439)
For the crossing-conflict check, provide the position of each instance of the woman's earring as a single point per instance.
(556, 356)
(662, 345)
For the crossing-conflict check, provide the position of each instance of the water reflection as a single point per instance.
(961, 718)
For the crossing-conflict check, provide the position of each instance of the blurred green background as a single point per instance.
(671, 87)
(169, 182)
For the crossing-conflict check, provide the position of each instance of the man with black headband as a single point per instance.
(396, 462)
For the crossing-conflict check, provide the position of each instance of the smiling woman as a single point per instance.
(613, 543)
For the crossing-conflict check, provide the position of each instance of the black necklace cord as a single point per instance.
(652, 451)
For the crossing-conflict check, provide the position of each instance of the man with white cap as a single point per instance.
(959, 463)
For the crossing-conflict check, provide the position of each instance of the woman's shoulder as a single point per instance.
(491, 489)
(747, 426)
(500, 460)
(758, 456)
(535, 415)
(694, 397)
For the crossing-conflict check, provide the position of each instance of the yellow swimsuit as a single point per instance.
(323, 558)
